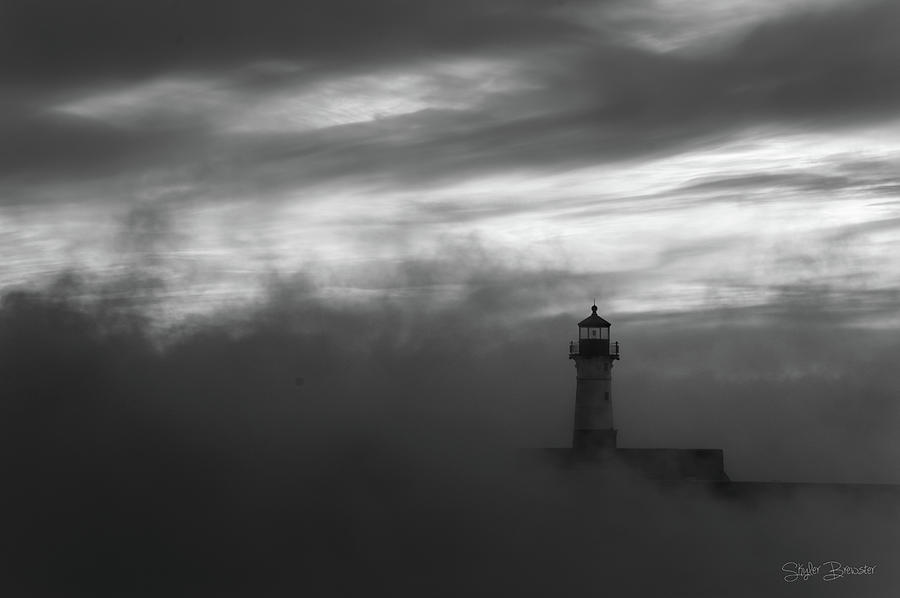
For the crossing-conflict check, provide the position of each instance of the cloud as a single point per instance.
(566, 97)
(66, 147)
(76, 42)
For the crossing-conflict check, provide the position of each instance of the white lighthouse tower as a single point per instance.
(594, 357)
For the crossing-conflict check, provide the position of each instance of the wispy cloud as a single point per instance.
(592, 137)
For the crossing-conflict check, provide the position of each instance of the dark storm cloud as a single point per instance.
(820, 69)
(825, 62)
(595, 98)
(835, 64)
(54, 50)
(52, 42)
(75, 148)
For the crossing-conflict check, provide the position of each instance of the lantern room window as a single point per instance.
(593, 333)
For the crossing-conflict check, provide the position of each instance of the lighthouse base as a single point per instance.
(587, 441)
(669, 465)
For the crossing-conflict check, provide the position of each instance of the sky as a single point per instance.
(241, 238)
(678, 156)
(718, 172)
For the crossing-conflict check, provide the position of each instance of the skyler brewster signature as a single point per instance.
(832, 570)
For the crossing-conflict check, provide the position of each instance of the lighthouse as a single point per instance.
(594, 429)
(594, 355)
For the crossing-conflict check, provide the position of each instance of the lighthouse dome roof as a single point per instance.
(594, 320)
